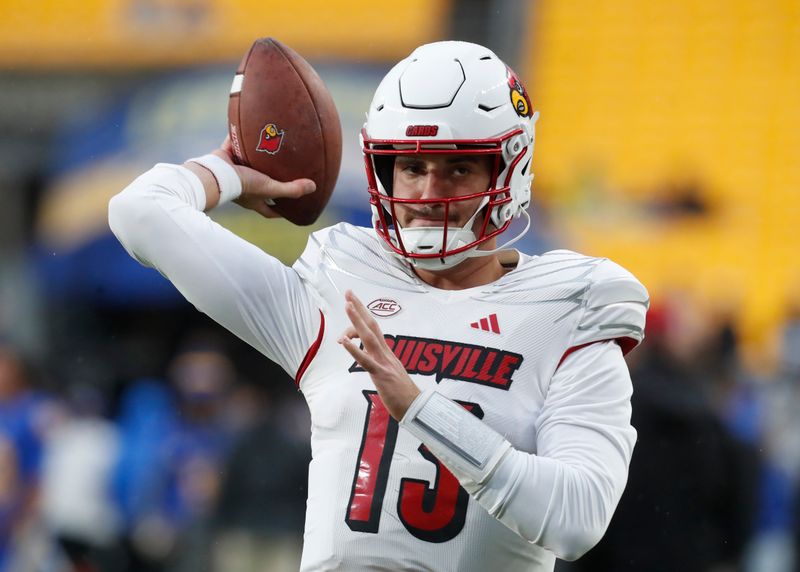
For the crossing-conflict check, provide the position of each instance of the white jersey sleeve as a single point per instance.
(159, 219)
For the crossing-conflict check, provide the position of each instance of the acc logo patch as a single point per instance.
(270, 139)
(519, 97)
(384, 307)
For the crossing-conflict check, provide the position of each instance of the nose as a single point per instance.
(434, 186)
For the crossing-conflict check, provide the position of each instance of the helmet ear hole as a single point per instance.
(505, 213)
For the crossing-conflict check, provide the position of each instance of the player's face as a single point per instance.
(439, 177)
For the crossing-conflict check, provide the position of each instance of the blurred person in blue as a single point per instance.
(174, 443)
(25, 414)
(509, 446)
(796, 531)
(774, 403)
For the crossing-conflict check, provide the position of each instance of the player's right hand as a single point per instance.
(258, 189)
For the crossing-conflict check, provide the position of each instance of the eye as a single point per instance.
(413, 168)
(462, 170)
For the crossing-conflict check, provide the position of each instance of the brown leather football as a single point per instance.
(283, 122)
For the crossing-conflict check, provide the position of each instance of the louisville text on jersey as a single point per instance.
(453, 360)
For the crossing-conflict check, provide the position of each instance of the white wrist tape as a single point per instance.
(230, 186)
(467, 446)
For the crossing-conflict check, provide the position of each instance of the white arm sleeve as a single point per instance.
(159, 220)
(563, 497)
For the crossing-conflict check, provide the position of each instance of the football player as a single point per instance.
(470, 404)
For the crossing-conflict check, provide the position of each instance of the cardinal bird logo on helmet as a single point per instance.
(270, 139)
(519, 97)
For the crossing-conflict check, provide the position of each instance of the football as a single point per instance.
(283, 122)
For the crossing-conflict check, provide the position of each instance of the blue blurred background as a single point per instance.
(136, 435)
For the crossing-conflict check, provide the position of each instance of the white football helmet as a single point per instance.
(450, 98)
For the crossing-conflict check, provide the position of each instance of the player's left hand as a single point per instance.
(393, 383)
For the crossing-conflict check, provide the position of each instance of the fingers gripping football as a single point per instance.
(393, 383)
(259, 190)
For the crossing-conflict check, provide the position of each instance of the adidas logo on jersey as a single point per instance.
(488, 324)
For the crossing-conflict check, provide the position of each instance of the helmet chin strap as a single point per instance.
(476, 252)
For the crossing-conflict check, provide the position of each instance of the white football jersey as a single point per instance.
(378, 499)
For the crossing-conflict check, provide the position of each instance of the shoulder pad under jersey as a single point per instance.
(355, 251)
(615, 308)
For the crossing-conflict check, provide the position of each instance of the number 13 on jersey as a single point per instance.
(431, 512)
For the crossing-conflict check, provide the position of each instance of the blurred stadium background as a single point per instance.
(135, 435)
